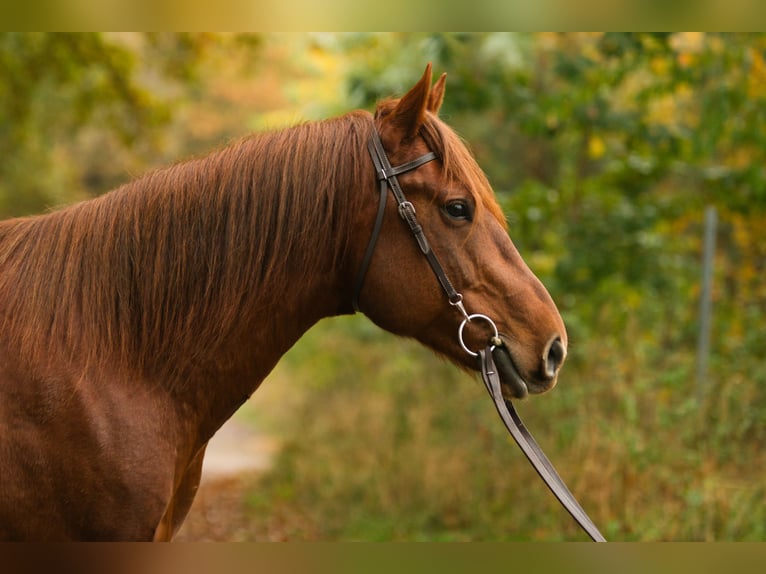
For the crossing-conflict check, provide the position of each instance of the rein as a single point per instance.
(531, 449)
(386, 175)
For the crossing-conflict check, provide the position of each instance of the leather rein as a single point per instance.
(531, 449)
(386, 176)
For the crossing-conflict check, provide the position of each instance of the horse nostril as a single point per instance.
(554, 357)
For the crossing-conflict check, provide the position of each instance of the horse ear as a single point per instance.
(410, 112)
(436, 97)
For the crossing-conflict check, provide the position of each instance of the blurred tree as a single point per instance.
(52, 86)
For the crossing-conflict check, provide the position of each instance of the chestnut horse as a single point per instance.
(132, 326)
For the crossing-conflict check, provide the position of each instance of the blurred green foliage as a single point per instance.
(77, 111)
(604, 150)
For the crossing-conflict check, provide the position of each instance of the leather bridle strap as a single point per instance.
(530, 448)
(386, 175)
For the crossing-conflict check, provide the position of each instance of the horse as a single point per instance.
(134, 324)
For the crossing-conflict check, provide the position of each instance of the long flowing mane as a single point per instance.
(167, 265)
(165, 269)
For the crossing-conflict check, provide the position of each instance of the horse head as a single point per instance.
(466, 230)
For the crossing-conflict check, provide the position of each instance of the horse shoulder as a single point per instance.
(84, 458)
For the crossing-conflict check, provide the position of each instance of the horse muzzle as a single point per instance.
(516, 386)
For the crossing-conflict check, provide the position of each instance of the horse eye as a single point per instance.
(458, 209)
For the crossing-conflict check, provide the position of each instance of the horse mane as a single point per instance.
(163, 271)
(169, 265)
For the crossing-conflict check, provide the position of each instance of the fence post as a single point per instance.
(706, 301)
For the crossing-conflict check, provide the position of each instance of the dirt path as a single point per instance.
(235, 449)
(235, 456)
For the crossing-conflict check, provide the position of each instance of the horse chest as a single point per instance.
(81, 463)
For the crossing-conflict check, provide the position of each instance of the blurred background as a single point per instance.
(608, 153)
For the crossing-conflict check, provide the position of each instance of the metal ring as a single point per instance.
(468, 320)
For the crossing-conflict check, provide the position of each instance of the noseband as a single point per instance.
(386, 175)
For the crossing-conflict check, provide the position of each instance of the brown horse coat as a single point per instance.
(132, 326)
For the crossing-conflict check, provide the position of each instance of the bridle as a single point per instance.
(387, 177)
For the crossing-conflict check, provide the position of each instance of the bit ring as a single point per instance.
(468, 320)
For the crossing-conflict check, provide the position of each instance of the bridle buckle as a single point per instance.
(407, 210)
(458, 303)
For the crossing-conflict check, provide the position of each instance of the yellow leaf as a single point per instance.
(659, 66)
(757, 77)
(596, 147)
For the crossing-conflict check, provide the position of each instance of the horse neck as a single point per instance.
(253, 308)
(256, 350)
(192, 279)
(268, 318)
